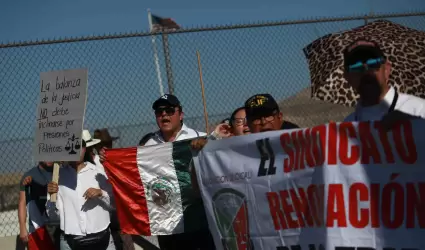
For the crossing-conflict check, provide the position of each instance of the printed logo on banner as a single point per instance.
(161, 190)
(231, 215)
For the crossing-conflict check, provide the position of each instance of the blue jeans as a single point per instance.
(65, 246)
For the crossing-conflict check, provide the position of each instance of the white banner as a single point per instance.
(60, 115)
(338, 186)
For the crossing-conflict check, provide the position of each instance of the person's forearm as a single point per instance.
(106, 198)
(214, 136)
(22, 214)
(52, 209)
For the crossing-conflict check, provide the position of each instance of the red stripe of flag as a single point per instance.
(130, 198)
(40, 240)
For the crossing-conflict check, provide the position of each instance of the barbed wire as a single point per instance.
(209, 28)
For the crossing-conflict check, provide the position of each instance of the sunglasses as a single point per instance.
(168, 110)
(257, 120)
(369, 64)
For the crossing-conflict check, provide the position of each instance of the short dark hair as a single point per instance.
(146, 138)
(232, 117)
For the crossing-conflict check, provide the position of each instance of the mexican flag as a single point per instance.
(39, 238)
(153, 191)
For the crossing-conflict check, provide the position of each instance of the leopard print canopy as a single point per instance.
(404, 47)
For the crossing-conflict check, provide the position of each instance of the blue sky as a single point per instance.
(122, 78)
(22, 20)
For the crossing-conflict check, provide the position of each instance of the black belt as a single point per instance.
(391, 109)
(99, 240)
(93, 234)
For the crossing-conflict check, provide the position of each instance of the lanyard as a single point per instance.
(391, 109)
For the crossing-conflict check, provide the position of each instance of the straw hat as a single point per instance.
(87, 138)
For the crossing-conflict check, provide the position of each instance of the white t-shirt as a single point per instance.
(408, 104)
(184, 133)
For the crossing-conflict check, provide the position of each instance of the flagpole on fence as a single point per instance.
(167, 57)
(155, 54)
(203, 91)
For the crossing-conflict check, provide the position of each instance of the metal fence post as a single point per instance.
(167, 57)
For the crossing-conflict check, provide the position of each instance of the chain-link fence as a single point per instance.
(237, 61)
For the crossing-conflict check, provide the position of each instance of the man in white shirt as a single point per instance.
(368, 71)
(169, 118)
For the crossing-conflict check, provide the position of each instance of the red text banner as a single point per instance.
(335, 186)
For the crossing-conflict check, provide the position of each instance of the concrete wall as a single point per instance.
(14, 243)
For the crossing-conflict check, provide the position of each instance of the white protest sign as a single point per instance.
(345, 186)
(60, 115)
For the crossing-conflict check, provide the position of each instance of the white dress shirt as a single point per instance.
(184, 133)
(77, 215)
(408, 104)
(99, 165)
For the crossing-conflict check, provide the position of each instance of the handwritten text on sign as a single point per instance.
(60, 115)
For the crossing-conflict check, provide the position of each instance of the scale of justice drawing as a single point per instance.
(75, 144)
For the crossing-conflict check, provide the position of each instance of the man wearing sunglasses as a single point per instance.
(169, 118)
(263, 114)
(367, 70)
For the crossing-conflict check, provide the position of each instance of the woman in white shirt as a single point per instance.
(83, 205)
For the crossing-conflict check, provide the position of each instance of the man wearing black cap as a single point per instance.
(263, 114)
(368, 71)
(169, 117)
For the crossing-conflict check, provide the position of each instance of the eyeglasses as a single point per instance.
(263, 119)
(168, 110)
(363, 66)
(239, 121)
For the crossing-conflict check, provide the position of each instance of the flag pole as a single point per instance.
(168, 62)
(155, 54)
(203, 91)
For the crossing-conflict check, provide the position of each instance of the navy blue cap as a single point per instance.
(166, 100)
